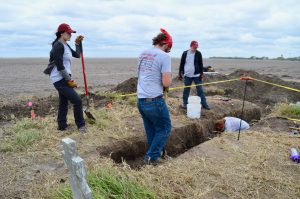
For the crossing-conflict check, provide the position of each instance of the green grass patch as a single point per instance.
(107, 183)
(287, 110)
(22, 134)
(132, 101)
(26, 138)
(20, 141)
(103, 119)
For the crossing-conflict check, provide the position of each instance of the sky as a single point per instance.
(124, 28)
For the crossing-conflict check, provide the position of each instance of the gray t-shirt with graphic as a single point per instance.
(152, 63)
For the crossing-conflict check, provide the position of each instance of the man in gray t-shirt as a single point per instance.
(154, 74)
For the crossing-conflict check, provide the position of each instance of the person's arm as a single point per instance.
(166, 71)
(181, 66)
(166, 79)
(58, 52)
(201, 66)
(76, 53)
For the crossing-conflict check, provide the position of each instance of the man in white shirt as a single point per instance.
(191, 68)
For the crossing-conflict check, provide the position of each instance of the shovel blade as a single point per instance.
(89, 114)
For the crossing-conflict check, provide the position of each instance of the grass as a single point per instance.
(22, 134)
(257, 166)
(103, 119)
(287, 110)
(107, 183)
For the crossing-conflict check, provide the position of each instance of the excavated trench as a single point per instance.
(182, 138)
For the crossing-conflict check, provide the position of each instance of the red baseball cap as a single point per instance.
(65, 28)
(168, 39)
(194, 44)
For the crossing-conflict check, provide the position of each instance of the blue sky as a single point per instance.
(123, 28)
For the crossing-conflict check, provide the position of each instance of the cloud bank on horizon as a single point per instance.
(123, 28)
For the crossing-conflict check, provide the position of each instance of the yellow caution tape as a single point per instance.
(218, 82)
(292, 119)
(285, 87)
(203, 84)
(180, 87)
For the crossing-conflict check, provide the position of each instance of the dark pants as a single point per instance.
(186, 92)
(66, 93)
(157, 125)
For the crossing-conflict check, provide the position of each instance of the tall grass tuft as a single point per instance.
(23, 134)
(287, 110)
(106, 183)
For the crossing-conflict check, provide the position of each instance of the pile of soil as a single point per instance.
(128, 86)
(257, 92)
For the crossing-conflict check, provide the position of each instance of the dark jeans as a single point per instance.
(186, 91)
(157, 125)
(66, 93)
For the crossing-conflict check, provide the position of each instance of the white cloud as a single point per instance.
(125, 27)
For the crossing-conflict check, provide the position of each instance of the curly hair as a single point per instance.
(158, 39)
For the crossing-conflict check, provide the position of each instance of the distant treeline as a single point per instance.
(260, 58)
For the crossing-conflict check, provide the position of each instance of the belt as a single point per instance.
(151, 99)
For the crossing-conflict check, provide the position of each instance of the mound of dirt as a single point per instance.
(257, 92)
(128, 86)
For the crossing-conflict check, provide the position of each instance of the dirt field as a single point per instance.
(20, 78)
(202, 163)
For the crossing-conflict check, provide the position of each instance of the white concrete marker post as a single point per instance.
(77, 172)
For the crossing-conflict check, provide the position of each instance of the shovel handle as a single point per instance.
(83, 70)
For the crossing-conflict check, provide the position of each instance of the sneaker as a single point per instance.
(163, 154)
(153, 162)
(183, 106)
(64, 128)
(206, 107)
(82, 129)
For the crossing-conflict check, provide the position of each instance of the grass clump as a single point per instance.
(287, 110)
(132, 101)
(103, 119)
(106, 183)
(22, 134)
(26, 138)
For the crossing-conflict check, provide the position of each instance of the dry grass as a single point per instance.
(287, 110)
(257, 166)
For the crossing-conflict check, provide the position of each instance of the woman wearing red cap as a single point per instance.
(60, 76)
(154, 74)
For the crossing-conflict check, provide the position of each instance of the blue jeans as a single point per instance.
(157, 125)
(186, 91)
(67, 93)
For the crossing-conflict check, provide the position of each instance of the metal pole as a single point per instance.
(242, 109)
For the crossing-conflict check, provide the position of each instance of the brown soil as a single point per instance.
(259, 93)
(185, 134)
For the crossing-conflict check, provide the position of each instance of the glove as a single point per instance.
(79, 39)
(72, 83)
(166, 89)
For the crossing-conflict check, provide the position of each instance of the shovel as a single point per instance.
(86, 111)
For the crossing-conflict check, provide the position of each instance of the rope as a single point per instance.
(285, 87)
(180, 87)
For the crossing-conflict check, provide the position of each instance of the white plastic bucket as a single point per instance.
(194, 110)
(194, 100)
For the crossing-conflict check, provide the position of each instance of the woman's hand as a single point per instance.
(72, 83)
(79, 39)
